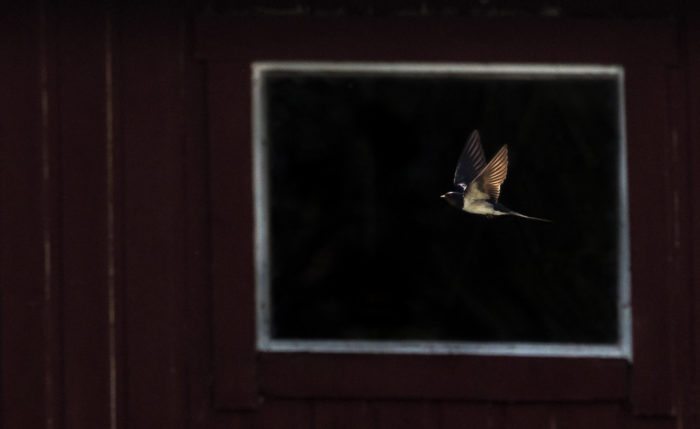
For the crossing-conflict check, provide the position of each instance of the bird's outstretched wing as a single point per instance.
(488, 183)
(471, 161)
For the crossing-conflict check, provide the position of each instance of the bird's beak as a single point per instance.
(442, 196)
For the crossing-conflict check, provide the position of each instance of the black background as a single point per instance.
(362, 247)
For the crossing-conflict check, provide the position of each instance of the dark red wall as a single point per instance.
(106, 297)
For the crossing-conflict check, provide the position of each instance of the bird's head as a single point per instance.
(454, 198)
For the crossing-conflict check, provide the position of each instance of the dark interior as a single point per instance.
(362, 246)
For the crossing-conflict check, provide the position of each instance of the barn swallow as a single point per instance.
(478, 184)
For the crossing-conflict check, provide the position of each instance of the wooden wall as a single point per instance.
(105, 292)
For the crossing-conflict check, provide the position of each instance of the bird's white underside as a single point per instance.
(477, 202)
(482, 207)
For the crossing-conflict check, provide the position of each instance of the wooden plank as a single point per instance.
(595, 8)
(346, 7)
(583, 416)
(461, 414)
(232, 236)
(115, 221)
(151, 123)
(652, 8)
(628, 421)
(286, 7)
(407, 414)
(648, 153)
(284, 414)
(52, 228)
(578, 416)
(693, 90)
(441, 377)
(681, 285)
(233, 421)
(25, 387)
(197, 312)
(82, 132)
(343, 415)
(450, 39)
(248, 7)
(530, 416)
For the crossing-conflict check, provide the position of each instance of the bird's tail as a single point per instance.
(529, 217)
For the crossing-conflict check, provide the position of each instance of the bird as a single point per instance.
(478, 185)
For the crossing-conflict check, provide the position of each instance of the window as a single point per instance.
(547, 358)
(357, 253)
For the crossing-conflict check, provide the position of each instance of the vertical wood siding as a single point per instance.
(105, 254)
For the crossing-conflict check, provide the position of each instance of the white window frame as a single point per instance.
(265, 341)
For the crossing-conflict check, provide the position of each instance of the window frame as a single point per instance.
(496, 71)
(241, 373)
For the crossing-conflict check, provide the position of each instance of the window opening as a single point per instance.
(356, 252)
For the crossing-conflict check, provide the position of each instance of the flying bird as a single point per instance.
(477, 184)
